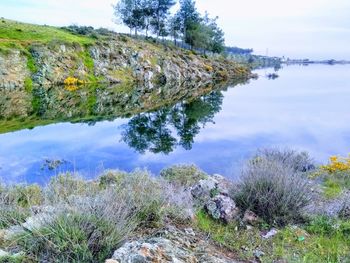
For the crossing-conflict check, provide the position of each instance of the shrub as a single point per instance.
(74, 237)
(335, 175)
(298, 161)
(155, 199)
(273, 191)
(111, 178)
(330, 227)
(322, 225)
(61, 187)
(184, 175)
(337, 164)
(12, 215)
(87, 225)
(21, 195)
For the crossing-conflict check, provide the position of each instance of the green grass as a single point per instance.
(17, 33)
(73, 238)
(332, 189)
(31, 64)
(322, 240)
(28, 84)
(185, 175)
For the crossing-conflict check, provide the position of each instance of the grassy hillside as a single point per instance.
(17, 34)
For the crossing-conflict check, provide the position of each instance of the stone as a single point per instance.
(201, 191)
(169, 245)
(250, 218)
(111, 261)
(270, 234)
(222, 207)
(3, 253)
(258, 253)
(189, 231)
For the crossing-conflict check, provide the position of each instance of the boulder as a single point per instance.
(202, 190)
(222, 207)
(208, 188)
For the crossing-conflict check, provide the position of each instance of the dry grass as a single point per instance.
(273, 189)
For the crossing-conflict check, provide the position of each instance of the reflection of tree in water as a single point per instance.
(154, 131)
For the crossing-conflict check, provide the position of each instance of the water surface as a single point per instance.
(306, 108)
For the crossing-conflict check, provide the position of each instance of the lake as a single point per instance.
(306, 108)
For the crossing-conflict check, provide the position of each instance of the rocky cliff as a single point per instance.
(119, 59)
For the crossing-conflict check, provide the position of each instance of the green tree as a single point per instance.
(175, 27)
(190, 19)
(216, 43)
(161, 15)
(130, 13)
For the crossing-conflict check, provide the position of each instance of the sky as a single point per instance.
(315, 29)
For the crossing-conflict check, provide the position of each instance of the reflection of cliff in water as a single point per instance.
(21, 109)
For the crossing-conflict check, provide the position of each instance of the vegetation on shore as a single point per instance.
(74, 220)
(18, 35)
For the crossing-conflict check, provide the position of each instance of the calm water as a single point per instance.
(306, 108)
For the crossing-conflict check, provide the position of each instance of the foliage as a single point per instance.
(335, 175)
(200, 33)
(321, 240)
(184, 175)
(63, 186)
(88, 31)
(297, 161)
(87, 222)
(23, 34)
(337, 164)
(331, 188)
(272, 190)
(28, 84)
(74, 237)
(21, 195)
(31, 64)
(11, 215)
(73, 81)
(237, 50)
(111, 177)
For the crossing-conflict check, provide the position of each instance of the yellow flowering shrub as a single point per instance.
(73, 81)
(71, 87)
(337, 164)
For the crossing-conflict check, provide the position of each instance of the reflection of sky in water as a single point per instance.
(307, 108)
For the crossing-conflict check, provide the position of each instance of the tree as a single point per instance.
(190, 19)
(215, 39)
(160, 15)
(175, 27)
(131, 14)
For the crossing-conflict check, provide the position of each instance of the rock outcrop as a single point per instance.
(170, 245)
(118, 59)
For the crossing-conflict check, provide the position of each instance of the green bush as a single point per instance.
(61, 187)
(12, 215)
(21, 195)
(298, 161)
(72, 237)
(184, 175)
(111, 178)
(322, 225)
(273, 191)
